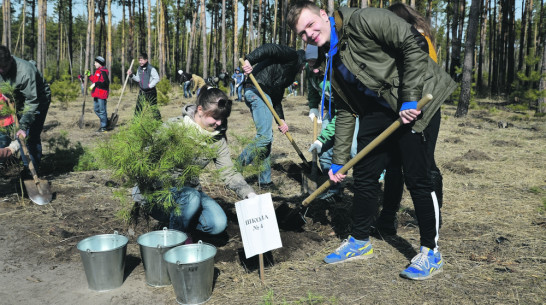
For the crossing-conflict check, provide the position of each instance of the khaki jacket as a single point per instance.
(378, 47)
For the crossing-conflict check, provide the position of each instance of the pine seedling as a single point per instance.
(157, 157)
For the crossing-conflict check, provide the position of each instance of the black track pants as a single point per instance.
(416, 158)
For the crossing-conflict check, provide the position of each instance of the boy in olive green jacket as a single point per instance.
(378, 72)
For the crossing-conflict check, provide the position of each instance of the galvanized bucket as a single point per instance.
(103, 258)
(191, 268)
(152, 247)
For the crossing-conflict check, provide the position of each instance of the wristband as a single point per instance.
(335, 168)
(409, 105)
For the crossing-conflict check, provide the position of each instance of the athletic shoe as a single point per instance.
(102, 129)
(424, 265)
(350, 249)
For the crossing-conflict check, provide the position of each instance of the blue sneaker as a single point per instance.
(424, 265)
(350, 249)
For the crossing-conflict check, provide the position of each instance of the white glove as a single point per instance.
(250, 195)
(313, 112)
(316, 145)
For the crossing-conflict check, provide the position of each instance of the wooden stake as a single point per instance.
(262, 275)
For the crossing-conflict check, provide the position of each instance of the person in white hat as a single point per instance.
(99, 91)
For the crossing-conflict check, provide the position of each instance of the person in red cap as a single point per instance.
(99, 91)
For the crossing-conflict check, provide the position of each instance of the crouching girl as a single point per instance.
(196, 210)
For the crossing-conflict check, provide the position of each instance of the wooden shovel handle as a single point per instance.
(124, 85)
(373, 144)
(24, 145)
(275, 115)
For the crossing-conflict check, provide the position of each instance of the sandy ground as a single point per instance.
(492, 238)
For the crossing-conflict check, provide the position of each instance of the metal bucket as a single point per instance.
(191, 268)
(152, 247)
(103, 258)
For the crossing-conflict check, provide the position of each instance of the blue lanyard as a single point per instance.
(329, 58)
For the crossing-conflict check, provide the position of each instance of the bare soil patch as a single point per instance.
(492, 238)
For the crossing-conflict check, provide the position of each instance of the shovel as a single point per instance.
(80, 122)
(373, 144)
(39, 191)
(114, 118)
(309, 182)
(276, 116)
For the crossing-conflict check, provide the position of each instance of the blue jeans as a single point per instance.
(187, 90)
(100, 111)
(231, 89)
(197, 211)
(261, 146)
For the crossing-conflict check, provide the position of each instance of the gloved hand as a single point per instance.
(250, 195)
(313, 112)
(21, 132)
(87, 72)
(317, 145)
(91, 87)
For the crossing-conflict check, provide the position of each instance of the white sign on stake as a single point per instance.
(258, 224)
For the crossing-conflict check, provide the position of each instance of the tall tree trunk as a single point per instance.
(149, 25)
(530, 40)
(235, 34)
(70, 38)
(483, 36)
(42, 52)
(258, 36)
(523, 32)
(123, 73)
(510, 52)
(102, 21)
(131, 39)
(60, 38)
(6, 25)
(89, 43)
(456, 42)
(93, 23)
(363, 4)
(109, 41)
(274, 37)
(204, 39)
(177, 49)
(494, 54)
(541, 107)
(192, 38)
(251, 27)
(284, 33)
(224, 58)
(449, 15)
(466, 84)
(244, 35)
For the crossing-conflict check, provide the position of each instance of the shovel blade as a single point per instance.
(113, 121)
(80, 122)
(39, 193)
(310, 181)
